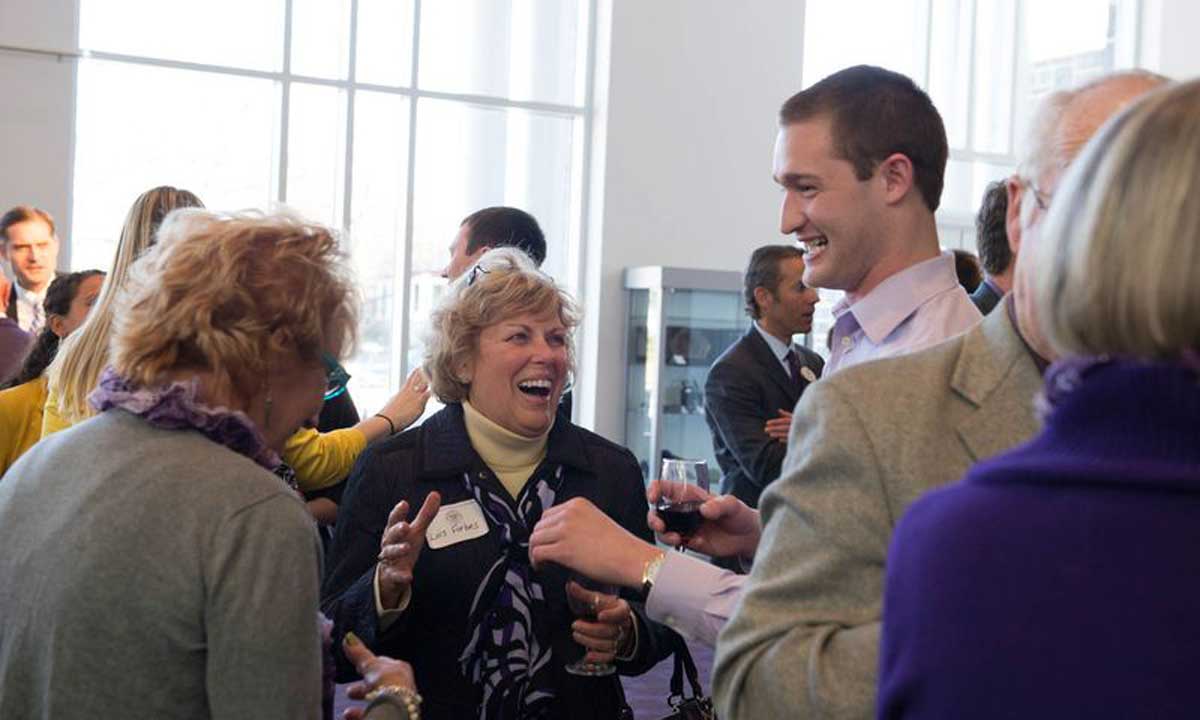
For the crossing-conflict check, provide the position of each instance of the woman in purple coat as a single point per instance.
(1060, 579)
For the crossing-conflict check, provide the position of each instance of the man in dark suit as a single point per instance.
(991, 239)
(754, 385)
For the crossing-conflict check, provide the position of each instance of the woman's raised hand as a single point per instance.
(407, 405)
(401, 546)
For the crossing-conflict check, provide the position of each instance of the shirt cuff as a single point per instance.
(693, 597)
(387, 617)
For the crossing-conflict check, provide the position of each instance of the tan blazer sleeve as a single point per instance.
(804, 640)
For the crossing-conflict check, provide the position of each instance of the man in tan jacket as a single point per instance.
(866, 442)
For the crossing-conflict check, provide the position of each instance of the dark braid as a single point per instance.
(59, 297)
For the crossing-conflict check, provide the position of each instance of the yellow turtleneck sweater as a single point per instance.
(511, 456)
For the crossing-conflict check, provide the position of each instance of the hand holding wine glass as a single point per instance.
(728, 527)
(683, 487)
(601, 628)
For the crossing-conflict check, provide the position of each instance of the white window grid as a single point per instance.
(401, 330)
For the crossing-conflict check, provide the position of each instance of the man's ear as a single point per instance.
(762, 297)
(896, 172)
(1012, 215)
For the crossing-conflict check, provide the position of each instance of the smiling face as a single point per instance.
(518, 372)
(832, 213)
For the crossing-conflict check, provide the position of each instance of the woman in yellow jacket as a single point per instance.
(318, 459)
(68, 300)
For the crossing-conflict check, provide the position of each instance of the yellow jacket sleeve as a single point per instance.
(52, 421)
(20, 420)
(322, 459)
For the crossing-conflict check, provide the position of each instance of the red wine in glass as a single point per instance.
(684, 487)
(683, 517)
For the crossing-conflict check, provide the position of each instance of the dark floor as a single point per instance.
(647, 695)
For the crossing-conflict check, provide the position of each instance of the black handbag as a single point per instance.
(696, 707)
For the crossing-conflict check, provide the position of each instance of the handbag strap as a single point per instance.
(685, 666)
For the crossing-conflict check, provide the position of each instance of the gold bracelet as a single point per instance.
(407, 697)
(650, 573)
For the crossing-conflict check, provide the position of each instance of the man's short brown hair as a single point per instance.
(875, 113)
(23, 213)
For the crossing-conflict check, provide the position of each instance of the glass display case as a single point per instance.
(679, 322)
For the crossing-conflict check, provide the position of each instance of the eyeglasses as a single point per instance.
(1041, 197)
(336, 376)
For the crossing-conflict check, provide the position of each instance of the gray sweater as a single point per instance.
(147, 573)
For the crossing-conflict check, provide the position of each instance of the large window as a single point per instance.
(985, 63)
(389, 119)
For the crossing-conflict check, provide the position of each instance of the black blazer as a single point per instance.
(432, 631)
(747, 386)
(985, 298)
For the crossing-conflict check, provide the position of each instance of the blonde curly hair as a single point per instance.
(224, 293)
(505, 283)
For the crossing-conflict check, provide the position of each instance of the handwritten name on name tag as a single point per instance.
(456, 523)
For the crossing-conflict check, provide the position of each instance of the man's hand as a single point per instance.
(578, 536)
(401, 546)
(777, 428)
(729, 528)
(376, 671)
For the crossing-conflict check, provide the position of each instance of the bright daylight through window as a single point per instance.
(390, 119)
(985, 63)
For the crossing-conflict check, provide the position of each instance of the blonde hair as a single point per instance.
(225, 293)
(505, 283)
(1116, 266)
(84, 354)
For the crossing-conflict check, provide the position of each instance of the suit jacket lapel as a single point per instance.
(996, 375)
(774, 369)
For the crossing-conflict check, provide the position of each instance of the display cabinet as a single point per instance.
(679, 322)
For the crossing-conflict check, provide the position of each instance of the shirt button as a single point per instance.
(847, 343)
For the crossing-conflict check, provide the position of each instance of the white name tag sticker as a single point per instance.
(456, 523)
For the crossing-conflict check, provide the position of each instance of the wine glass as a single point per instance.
(684, 486)
(587, 607)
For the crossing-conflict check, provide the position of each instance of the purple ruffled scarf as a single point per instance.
(175, 407)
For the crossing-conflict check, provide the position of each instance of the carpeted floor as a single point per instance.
(647, 695)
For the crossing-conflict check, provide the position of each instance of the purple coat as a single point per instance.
(14, 343)
(1060, 579)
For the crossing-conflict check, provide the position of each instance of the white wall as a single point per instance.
(683, 173)
(1168, 37)
(38, 108)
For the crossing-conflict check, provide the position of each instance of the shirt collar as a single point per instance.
(28, 296)
(778, 347)
(897, 297)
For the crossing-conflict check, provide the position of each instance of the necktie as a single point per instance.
(36, 322)
(793, 363)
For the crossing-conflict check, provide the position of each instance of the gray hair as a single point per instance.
(503, 284)
(1116, 265)
(1066, 119)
